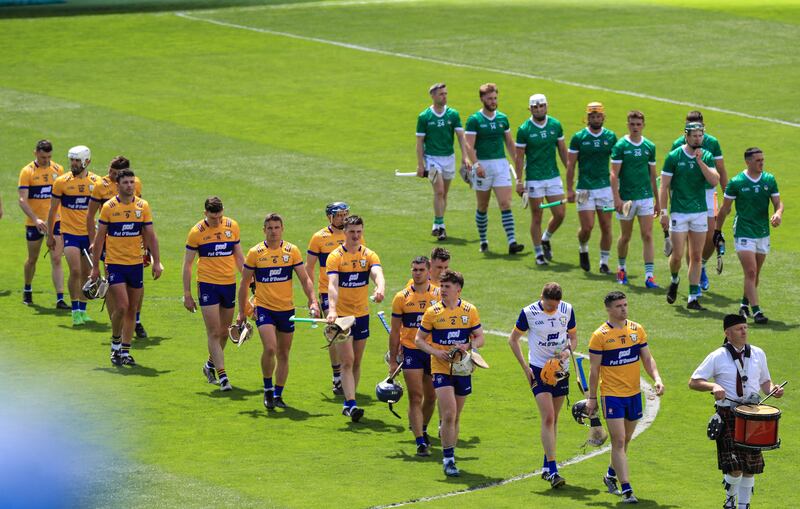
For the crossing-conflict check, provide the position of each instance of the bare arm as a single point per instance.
(238, 256)
(462, 144)
(654, 187)
(510, 146)
(709, 172)
(151, 241)
(51, 221)
(311, 263)
(333, 296)
(663, 198)
(308, 288)
(188, 261)
(97, 249)
(519, 168)
(562, 152)
(94, 206)
(420, 156)
(650, 367)
(394, 342)
(702, 385)
(777, 217)
(28, 211)
(247, 275)
(469, 138)
(376, 274)
(477, 338)
(572, 158)
(613, 178)
(513, 342)
(723, 212)
(594, 377)
(723, 173)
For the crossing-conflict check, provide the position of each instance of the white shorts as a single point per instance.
(445, 164)
(598, 198)
(542, 188)
(695, 222)
(760, 246)
(643, 207)
(498, 174)
(711, 202)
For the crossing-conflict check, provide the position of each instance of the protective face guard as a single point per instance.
(389, 392)
(461, 362)
(238, 334)
(96, 289)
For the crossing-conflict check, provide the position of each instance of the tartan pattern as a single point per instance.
(732, 458)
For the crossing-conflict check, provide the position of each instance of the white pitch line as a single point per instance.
(408, 56)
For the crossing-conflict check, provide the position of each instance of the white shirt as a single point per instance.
(547, 332)
(720, 366)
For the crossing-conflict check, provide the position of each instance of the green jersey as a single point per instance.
(594, 151)
(540, 142)
(688, 192)
(490, 134)
(438, 130)
(635, 160)
(710, 144)
(752, 204)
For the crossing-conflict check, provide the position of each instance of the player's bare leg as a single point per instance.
(548, 413)
(679, 241)
(428, 400)
(57, 268)
(414, 384)
(212, 317)
(346, 355)
(586, 220)
(282, 366)
(269, 342)
(29, 268)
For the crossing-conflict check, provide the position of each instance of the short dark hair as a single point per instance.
(353, 220)
(213, 204)
(44, 146)
(636, 114)
(435, 87)
(440, 253)
(272, 216)
(127, 172)
(750, 152)
(694, 116)
(487, 88)
(552, 291)
(452, 277)
(613, 297)
(120, 163)
(422, 259)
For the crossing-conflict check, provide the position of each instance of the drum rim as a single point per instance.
(758, 447)
(757, 417)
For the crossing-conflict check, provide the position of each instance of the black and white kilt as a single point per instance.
(731, 457)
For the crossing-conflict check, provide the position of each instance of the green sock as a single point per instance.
(756, 309)
(675, 277)
(694, 289)
(438, 220)
(745, 301)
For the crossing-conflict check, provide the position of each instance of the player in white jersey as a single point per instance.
(549, 325)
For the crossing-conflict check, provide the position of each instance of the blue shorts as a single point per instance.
(360, 329)
(323, 303)
(462, 385)
(561, 388)
(617, 407)
(33, 235)
(414, 358)
(278, 319)
(131, 275)
(211, 294)
(80, 242)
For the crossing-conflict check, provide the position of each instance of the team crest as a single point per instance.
(285, 258)
(634, 338)
(563, 321)
(228, 233)
(55, 176)
(363, 263)
(91, 187)
(138, 214)
(464, 319)
(433, 302)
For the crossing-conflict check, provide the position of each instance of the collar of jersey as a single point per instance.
(434, 111)
(540, 126)
(756, 181)
(609, 324)
(346, 251)
(628, 139)
(268, 248)
(487, 118)
(413, 289)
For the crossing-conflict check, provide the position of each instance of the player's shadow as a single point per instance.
(719, 300)
(403, 455)
(597, 276)
(148, 342)
(552, 266)
(235, 394)
(469, 443)
(137, 370)
(503, 255)
(50, 311)
(570, 491)
(471, 480)
(455, 241)
(615, 501)
(293, 414)
(708, 313)
(366, 425)
(5, 293)
(89, 326)
(776, 325)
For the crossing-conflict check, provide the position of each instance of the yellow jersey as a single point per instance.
(38, 181)
(353, 269)
(125, 222)
(108, 189)
(216, 263)
(619, 368)
(74, 193)
(321, 245)
(273, 270)
(448, 328)
(409, 305)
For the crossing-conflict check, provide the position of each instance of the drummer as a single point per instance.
(739, 371)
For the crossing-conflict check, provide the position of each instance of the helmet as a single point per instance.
(238, 334)
(81, 153)
(332, 209)
(579, 411)
(595, 107)
(389, 391)
(95, 289)
(693, 126)
(552, 372)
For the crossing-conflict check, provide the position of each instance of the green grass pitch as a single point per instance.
(267, 112)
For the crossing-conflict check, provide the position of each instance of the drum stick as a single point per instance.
(773, 391)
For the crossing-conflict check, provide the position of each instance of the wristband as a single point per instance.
(663, 212)
(592, 397)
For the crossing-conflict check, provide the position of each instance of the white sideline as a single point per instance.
(408, 56)
(649, 415)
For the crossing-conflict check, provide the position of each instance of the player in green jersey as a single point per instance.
(488, 136)
(590, 148)
(436, 127)
(710, 144)
(538, 140)
(683, 178)
(633, 178)
(752, 190)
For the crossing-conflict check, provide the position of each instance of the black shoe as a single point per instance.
(269, 399)
(547, 249)
(541, 260)
(210, 373)
(604, 269)
(116, 358)
(611, 485)
(423, 450)
(629, 498)
(27, 298)
(442, 234)
(225, 385)
(427, 438)
(140, 332)
(672, 293)
(556, 481)
(280, 403)
(127, 360)
(435, 232)
(759, 318)
(744, 311)
(515, 248)
(584, 262)
(337, 388)
(695, 304)
(354, 413)
(62, 305)
(484, 247)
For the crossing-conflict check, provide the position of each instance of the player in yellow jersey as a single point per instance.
(272, 262)
(322, 243)
(451, 323)
(439, 263)
(71, 193)
(101, 194)
(35, 188)
(616, 350)
(408, 306)
(350, 267)
(124, 220)
(215, 240)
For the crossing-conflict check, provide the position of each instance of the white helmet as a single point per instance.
(81, 153)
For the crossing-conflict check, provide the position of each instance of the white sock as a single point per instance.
(583, 247)
(604, 257)
(731, 484)
(746, 491)
(546, 236)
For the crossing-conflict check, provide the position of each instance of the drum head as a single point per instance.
(758, 411)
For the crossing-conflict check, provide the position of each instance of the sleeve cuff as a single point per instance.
(102, 222)
(312, 253)
(571, 151)
(423, 329)
(191, 248)
(397, 315)
(597, 352)
(248, 267)
(520, 145)
(470, 132)
(421, 135)
(667, 174)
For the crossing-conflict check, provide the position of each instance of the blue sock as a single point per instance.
(611, 472)
(278, 391)
(626, 487)
(137, 317)
(267, 384)
(449, 452)
(27, 288)
(350, 403)
(60, 296)
(545, 466)
(420, 441)
(75, 306)
(81, 305)
(553, 467)
(508, 225)
(482, 222)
